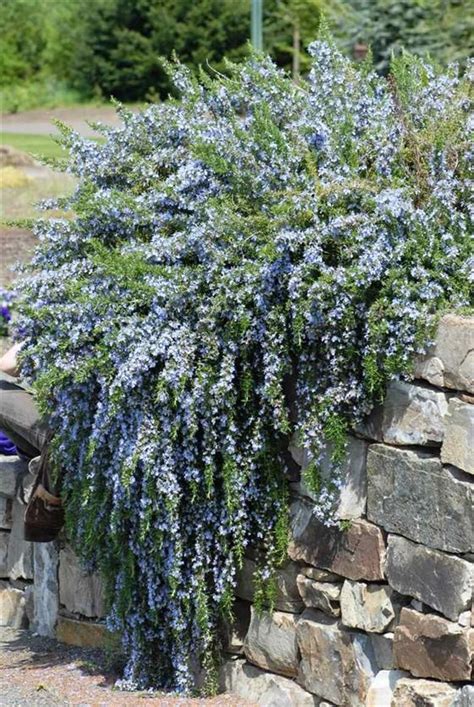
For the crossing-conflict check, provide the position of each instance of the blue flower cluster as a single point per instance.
(253, 260)
(7, 299)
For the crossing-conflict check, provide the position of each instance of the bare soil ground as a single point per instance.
(39, 672)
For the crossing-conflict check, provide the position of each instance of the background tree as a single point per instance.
(113, 47)
(292, 24)
(443, 29)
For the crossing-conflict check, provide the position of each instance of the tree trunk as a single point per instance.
(296, 52)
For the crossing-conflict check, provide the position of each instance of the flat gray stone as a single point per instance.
(382, 643)
(20, 552)
(12, 470)
(46, 589)
(357, 552)
(458, 445)
(336, 664)
(369, 607)
(80, 591)
(353, 495)
(4, 540)
(443, 582)
(411, 494)
(6, 519)
(287, 596)
(320, 595)
(410, 415)
(450, 361)
(261, 688)
(271, 642)
(423, 693)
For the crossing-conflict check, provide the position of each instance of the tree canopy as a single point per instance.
(114, 47)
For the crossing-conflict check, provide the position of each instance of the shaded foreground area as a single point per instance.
(35, 670)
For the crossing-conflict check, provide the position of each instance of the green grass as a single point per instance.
(42, 145)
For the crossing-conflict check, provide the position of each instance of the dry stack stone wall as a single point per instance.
(378, 614)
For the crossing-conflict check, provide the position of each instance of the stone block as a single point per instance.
(449, 363)
(287, 596)
(320, 595)
(12, 470)
(369, 607)
(423, 693)
(80, 591)
(12, 607)
(46, 590)
(382, 643)
(443, 582)
(353, 495)
(265, 689)
(382, 687)
(320, 575)
(20, 552)
(86, 634)
(5, 513)
(429, 646)
(271, 642)
(410, 414)
(411, 494)
(464, 619)
(458, 444)
(356, 553)
(336, 664)
(4, 540)
(464, 697)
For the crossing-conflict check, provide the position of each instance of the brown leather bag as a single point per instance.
(44, 513)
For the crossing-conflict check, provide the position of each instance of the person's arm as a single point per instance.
(8, 362)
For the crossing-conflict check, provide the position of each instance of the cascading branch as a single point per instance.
(254, 259)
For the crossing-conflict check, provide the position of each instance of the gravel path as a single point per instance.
(39, 672)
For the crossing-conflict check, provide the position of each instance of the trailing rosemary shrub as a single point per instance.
(255, 259)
